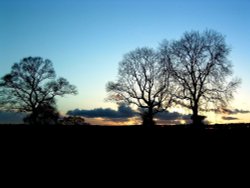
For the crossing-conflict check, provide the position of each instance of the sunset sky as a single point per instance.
(86, 39)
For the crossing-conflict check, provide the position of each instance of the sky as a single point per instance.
(86, 39)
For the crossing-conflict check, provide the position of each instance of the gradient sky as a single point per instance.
(85, 39)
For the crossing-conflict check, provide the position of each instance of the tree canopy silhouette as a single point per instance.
(200, 68)
(142, 82)
(32, 85)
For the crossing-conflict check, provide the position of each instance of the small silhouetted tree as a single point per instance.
(32, 85)
(46, 114)
(142, 82)
(73, 120)
(199, 65)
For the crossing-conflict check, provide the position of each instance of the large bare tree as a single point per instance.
(142, 82)
(31, 85)
(199, 65)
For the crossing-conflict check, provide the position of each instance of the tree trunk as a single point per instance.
(196, 118)
(195, 115)
(148, 118)
(32, 118)
(35, 115)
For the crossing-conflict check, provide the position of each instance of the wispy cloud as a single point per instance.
(233, 111)
(229, 118)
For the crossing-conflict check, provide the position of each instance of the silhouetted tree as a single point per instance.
(31, 85)
(73, 120)
(142, 82)
(45, 114)
(199, 66)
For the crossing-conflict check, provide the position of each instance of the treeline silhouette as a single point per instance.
(191, 72)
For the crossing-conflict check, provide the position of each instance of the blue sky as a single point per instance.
(85, 39)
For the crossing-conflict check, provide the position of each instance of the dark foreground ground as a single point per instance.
(181, 140)
(94, 130)
(206, 128)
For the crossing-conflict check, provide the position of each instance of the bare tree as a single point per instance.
(142, 82)
(31, 84)
(200, 68)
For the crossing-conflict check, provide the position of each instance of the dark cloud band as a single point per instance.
(172, 116)
(11, 117)
(122, 112)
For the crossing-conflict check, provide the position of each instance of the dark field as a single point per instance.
(166, 130)
(105, 139)
(207, 128)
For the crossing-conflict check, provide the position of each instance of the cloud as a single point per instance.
(123, 112)
(11, 117)
(233, 112)
(229, 118)
(172, 116)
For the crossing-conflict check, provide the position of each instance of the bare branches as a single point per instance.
(142, 81)
(32, 84)
(199, 66)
